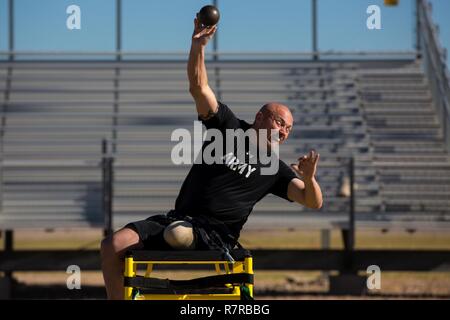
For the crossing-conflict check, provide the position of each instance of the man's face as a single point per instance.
(275, 117)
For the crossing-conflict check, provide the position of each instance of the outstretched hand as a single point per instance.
(202, 34)
(307, 165)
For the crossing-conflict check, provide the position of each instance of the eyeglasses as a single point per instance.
(280, 122)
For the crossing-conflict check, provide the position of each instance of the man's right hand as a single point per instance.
(202, 34)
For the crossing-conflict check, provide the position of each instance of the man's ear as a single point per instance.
(259, 116)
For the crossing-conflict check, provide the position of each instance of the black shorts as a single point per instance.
(151, 232)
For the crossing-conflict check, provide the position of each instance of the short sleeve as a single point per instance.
(223, 119)
(284, 177)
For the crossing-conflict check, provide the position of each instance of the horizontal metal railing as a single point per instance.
(4, 55)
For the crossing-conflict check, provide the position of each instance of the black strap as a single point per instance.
(198, 283)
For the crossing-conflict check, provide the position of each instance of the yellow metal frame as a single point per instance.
(245, 266)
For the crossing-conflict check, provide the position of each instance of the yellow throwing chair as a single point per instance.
(234, 279)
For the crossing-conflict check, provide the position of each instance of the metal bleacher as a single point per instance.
(409, 151)
(55, 115)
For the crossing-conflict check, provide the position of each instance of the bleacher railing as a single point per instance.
(19, 55)
(434, 58)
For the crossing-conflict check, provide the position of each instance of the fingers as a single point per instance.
(312, 157)
(197, 25)
(316, 159)
(296, 169)
(204, 32)
(210, 31)
(306, 166)
(200, 33)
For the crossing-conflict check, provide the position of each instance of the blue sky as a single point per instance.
(250, 25)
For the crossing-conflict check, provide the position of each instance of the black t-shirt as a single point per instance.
(218, 191)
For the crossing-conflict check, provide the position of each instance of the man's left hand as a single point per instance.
(307, 165)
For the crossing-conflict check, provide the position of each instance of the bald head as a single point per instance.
(277, 108)
(274, 115)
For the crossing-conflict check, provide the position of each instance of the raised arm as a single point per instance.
(205, 99)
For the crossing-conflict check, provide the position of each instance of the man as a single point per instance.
(215, 200)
